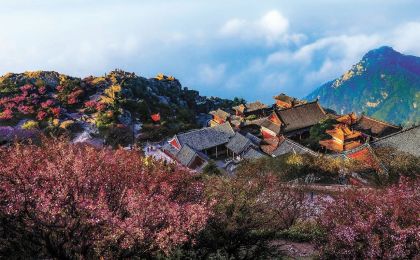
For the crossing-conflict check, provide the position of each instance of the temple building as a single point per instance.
(342, 138)
(241, 144)
(219, 117)
(256, 108)
(292, 122)
(195, 148)
(365, 155)
(284, 101)
(279, 145)
(374, 127)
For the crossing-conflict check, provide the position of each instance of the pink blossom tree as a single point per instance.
(373, 224)
(73, 201)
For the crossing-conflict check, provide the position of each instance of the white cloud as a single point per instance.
(273, 24)
(406, 38)
(272, 27)
(210, 75)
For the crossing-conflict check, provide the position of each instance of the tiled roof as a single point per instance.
(207, 137)
(169, 148)
(271, 126)
(252, 153)
(285, 98)
(288, 146)
(220, 113)
(301, 116)
(186, 155)
(239, 143)
(407, 140)
(253, 138)
(375, 127)
(365, 155)
(249, 107)
(269, 145)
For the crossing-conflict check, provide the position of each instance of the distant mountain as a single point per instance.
(385, 84)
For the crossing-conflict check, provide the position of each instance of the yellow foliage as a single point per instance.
(171, 78)
(56, 122)
(116, 88)
(33, 74)
(66, 124)
(98, 80)
(107, 100)
(295, 159)
(31, 124)
(160, 76)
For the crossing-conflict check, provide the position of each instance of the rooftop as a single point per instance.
(407, 140)
(249, 107)
(220, 113)
(276, 128)
(301, 116)
(239, 143)
(375, 127)
(204, 138)
(252, 153)
(288, 146)
(186, 155)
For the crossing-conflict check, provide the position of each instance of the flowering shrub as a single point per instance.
(375, 224)
(30, 124)
(248, 210)
(30, 101)
(73, 201)
(6, 114)
(47, 103)
(41, 115)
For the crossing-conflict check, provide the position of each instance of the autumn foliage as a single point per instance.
(63, 201)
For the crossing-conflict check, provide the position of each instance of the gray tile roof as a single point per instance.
(289, 146)
(204, 138)
(253, 138)
(186, 155)
(374, 127)
(252, 153)
(239, 143)
(407, 140)
(301, 116)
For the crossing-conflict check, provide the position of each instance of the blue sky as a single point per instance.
(252, 49)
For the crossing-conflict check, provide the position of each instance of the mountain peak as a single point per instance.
(381, 53)
(385, 84)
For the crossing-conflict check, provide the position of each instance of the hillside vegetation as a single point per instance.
(116, 104)
(384, 84)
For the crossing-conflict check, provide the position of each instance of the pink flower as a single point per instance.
(100, 107)
(26, 87)
(4, 100)
(6, 115)
(41, 115)
(47, 103)
(71, 100)
(26, 109)
(91, 104)
(42, 90)
(10, 105)
(56, 111)
(19, 99)
(59, 88)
